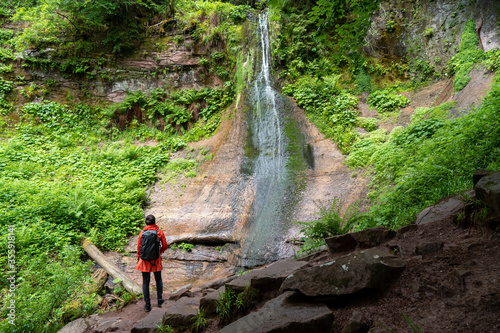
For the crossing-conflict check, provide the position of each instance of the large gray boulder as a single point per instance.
(285, 314)
(267, 278)
(488, 190)
(358, 271)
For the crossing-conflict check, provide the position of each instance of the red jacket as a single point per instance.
(146, 266)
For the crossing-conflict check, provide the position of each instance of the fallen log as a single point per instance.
(112, 270)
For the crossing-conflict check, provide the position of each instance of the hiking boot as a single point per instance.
(147, 307)
(160, 302)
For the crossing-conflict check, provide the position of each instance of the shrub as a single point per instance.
(385, 101)
(369, 124)
(330, 223)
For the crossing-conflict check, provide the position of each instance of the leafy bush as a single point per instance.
(369, 124)
(363, 82)
(385, 101)
(421, 130)
(468, 54)
(6, 54)
(493, 60)
(330, 223)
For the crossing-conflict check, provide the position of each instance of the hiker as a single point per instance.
(152, 244)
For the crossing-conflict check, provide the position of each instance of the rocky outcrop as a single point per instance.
(488, 191)
(353, 273)
(434, 24)
(267, 278)
(285, 314)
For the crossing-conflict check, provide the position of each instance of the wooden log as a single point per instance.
(112, 270)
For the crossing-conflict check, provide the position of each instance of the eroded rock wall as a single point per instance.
(430, 30)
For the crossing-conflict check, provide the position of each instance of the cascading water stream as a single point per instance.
(275, 185)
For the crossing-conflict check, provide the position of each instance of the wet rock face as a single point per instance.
(285, 314)
(371, 269)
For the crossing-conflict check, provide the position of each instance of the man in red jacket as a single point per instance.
(148, 266)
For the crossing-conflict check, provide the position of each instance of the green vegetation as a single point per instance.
(386, 101)
(468, 54)
(230, 304)
(182, 246)
(330, 223)
(331, 109)
(199, 321)
(432, 158)
(63, 179)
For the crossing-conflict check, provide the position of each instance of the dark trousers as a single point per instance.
(146, 278)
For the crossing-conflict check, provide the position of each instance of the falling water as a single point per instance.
(268, 143)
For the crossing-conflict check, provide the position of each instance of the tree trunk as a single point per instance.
(112, 270)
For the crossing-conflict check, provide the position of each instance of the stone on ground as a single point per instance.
(488, 191)
(441, 210)
(285, 314)
(359, 271)
(209, 302)
(266, 278)
(373, 237)
(341, 243)
(181, 313)
(150, 323)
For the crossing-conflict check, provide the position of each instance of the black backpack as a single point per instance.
(150, 245)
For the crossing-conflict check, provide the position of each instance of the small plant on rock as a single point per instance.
(330, 223)
(199, 321)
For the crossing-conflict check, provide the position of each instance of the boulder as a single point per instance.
(488, 191)
(209, 302)
(181, 292)
(341, 243)
(150, 323)
(81, 325)
(267, 278)
(285, 314)
(181, 313)
(373, 237)
(478, 174)
(370, 269)
(443, 209)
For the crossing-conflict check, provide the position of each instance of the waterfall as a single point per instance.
(275, 184)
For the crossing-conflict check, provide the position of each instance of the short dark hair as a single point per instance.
(150, 220)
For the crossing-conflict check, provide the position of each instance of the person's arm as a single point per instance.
(163, 241)
(139, 247)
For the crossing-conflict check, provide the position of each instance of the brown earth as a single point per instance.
(456, 289)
